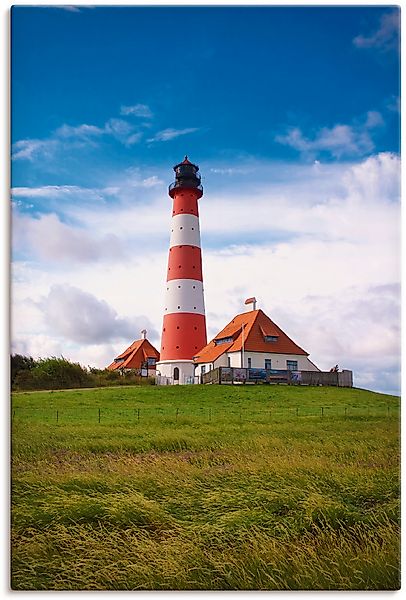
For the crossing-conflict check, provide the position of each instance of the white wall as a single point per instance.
(186, 370)
(278, 361)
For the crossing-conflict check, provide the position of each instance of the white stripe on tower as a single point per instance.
(185, 231)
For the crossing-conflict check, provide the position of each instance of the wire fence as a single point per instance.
(204, 414)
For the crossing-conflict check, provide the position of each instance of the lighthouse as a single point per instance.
(184, 322)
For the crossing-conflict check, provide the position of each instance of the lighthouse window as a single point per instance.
(178, 287)
(181, 228)
(271, 338)
(194, 287)
(178, 306)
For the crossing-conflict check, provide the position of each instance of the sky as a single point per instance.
(292, 114)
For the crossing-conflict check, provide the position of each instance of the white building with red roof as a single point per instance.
(141, 355)
(252, 340)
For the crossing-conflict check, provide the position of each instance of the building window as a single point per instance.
(229, 361)
(268, 363)
(271, 338)
(203, 369)
(291, 365)
(224, 340)
(176, 374)
(151, 361)
(249, 362)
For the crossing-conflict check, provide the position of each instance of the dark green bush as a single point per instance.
(59, 373)
(53, 373)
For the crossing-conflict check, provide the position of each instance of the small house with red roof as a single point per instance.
(140, 356)
(252, 340)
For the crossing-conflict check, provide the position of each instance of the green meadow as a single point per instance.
(205, 488)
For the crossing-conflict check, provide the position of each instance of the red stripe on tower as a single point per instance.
(184, 323)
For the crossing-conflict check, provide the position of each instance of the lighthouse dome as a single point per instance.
(186, 176)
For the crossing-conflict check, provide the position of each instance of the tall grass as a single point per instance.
(207, 488)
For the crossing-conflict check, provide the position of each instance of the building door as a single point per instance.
(249, 362)
(176, 374)
(268, 364)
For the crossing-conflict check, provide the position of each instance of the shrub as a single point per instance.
(20, 363)
(53, 373)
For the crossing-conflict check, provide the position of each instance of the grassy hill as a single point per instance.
(214, 487)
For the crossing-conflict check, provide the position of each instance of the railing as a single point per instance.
(212, 376)
(188, 183)
(234, 375)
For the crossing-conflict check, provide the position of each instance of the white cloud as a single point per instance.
(169, 134)
(138, 110)
(151, 181)
(68, 192)
(386, 37)
(374, 119)
(80, 317)
(80, 131)
(31, 149)
(339, 141)
(47, 238)
(67, 137)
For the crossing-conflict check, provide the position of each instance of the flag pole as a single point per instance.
(243, 341)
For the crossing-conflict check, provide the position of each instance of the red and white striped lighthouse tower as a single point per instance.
(184, 324)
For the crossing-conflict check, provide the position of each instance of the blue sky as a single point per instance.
(292, 114)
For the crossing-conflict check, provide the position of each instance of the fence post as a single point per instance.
(297, 411)
(177, 412)
(99, 415)
(345, 412)
(209, 414)
(322, 411)
(138, 414)
(57, 416)
(388, 412)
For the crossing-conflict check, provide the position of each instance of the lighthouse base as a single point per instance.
(175, 372)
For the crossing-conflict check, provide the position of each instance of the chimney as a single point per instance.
(144, 334)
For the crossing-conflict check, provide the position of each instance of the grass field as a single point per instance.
(205, 488)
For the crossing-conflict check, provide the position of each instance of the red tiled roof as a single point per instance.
(135, 355)
(257, 325)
